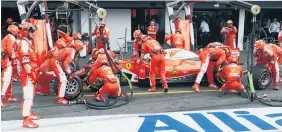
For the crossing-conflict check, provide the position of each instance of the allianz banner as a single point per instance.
(255, 120)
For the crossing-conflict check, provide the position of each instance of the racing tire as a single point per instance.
(73, 89)
(219, 81)
(261, 77)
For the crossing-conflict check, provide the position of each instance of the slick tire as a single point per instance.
(261, 77)
(73, 89)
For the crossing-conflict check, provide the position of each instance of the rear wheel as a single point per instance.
(261, 77)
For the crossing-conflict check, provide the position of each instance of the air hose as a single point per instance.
(113, 66)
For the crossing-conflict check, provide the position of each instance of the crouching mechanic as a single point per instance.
(152, 47)
(28, 62)
(110, 84)
(8, 62)
(208, 57)
(66, 56)
(266, 54)
(233, 74)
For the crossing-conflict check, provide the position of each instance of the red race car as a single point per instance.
(181, 65)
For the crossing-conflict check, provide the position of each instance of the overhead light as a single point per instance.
(216, 5)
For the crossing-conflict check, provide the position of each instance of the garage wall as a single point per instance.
(117, 21)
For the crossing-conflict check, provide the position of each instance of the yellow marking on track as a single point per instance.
(169, 92)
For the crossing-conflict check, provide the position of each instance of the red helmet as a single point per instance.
(13, 29)
(25, 29)
(137, 33)
(78, 45)
(76, 36)
(259, 44)
(10, 21)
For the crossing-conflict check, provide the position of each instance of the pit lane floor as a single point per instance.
(180, 98)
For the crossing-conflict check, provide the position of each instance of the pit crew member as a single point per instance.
(153, 48)
(66, 56)
(110, 85)
(28, 62)
(137, 45)
(106, 32)
(280, 37)
(233, 74)
(208, 57)
(8, 63)
(152, 30)
(264, 52)
(176, 39)
(230, 31)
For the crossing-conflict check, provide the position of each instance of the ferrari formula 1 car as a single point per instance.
(181, 66)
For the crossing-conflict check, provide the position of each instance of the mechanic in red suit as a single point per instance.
(152, 30)
(176, 39)
(263, 52)
(280, 37)
(208, 57)
(106, 32)
(110, 85)
(137, 45)
(64, 41)
(230, 31)
(8, 63)
(66, 56)
(152, 47)
(27, 58)
(233, 75)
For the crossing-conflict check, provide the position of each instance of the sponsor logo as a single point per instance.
(128, 66)
(174, 72)
(215, 121)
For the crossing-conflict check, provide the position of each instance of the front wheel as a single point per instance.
(261, 77)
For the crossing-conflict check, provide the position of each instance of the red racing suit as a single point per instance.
(280, 39)
(230, 36)
(233, 75)
(176, 40)
(208, 57)
(65, 55)
(137, 45)
(152, 32)
(110, 86)
(157, 62)
(27, 58)
(64, 41)
(9, 64)
(269, 57)
(106, 32)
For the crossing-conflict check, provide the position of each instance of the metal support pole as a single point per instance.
(253, 40)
